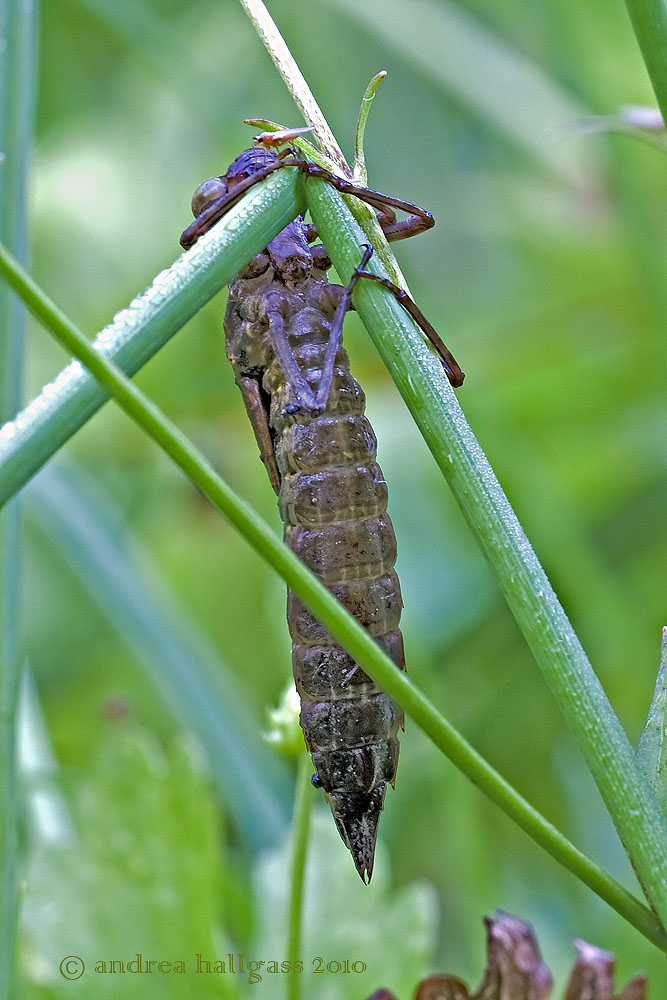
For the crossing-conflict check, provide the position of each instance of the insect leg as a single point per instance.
(452, 370)
(337, 331)
(304, 395)
(259, 418)
(418, 220)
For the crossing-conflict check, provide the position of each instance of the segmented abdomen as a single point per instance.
(333, 501)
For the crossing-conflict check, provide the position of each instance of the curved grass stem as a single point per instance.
(345, 629)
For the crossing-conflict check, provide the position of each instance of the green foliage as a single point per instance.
(545, 274)
(143, 871)
(392, 931)
(139, 867)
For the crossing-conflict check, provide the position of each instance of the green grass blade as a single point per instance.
(181, 662)
(47, 814)
(359, 171)
(649, 20)
(652, 749)
(18, 42)
(138, 332)
(301, 828)
(326, 608)
(417, 373)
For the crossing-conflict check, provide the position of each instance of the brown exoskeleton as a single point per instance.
(283, 330)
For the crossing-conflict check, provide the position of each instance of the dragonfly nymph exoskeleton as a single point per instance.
(283, 335)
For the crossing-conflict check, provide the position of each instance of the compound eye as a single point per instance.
(321, 259)
(206, 193)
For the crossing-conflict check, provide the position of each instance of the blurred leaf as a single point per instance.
(391, 931)
(47, 812)
(94, 539)
(506, 88)
(643, 124)
(284, 732)
(159, 45)
(146, 877)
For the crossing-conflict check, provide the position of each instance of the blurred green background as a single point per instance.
(545, 276)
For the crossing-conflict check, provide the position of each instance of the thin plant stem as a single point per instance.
(296, 84)
(324, 606)
(300, 828)
(18, 43)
